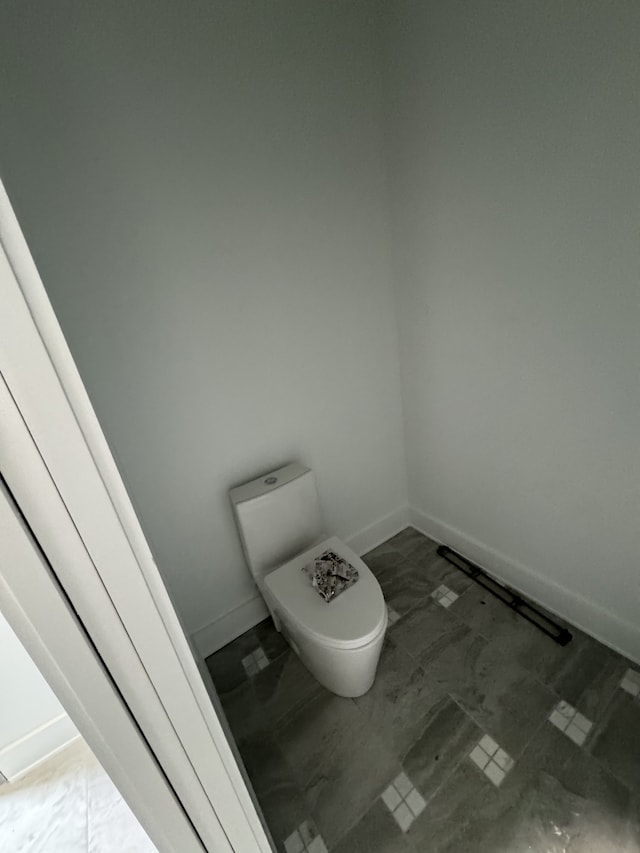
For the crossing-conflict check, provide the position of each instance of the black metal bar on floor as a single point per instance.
(512, 600)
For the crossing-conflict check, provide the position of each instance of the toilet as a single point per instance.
(281, 528)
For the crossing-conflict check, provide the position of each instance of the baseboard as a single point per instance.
(230, 625)
(235, 622)
(378, 532)
(590, 617)
(43, 743)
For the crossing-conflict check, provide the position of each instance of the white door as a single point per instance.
(58, 471)
(50, 631)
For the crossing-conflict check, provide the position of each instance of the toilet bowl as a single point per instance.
(281, 529)
(338, 641)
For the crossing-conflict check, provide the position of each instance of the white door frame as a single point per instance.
(57, 464)
(51, 633)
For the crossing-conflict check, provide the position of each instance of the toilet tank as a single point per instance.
(278, 516)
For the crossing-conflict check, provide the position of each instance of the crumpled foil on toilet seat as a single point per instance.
(330, 574)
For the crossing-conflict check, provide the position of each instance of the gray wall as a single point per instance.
(202, 188)
(514, 138)
(204, 193)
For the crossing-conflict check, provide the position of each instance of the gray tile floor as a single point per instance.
(467, 678)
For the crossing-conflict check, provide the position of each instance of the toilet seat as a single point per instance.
(353, 619)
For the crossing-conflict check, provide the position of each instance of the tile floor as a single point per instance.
(68, 805)
(480, 733)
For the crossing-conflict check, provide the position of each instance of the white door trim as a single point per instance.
(38, 612)
(112, 578)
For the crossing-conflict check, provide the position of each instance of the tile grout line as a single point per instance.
(571, 722)
(420, 602)
(596, 730)
(515, 756)
(456, 765)
(360, 817)
(379, 794)
(597, 759)
(422, 599)
(492, 759)
(534, 675)
(295, 778)
(488, 639)
(537, 677)
(404, 801)
(286, 718)
(537, 731)
(454, 618)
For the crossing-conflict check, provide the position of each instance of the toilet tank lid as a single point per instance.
(267, 483)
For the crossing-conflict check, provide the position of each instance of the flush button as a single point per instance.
(271, 481)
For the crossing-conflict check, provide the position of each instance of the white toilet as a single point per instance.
(281, 528)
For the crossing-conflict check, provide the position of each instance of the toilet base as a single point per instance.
(345, 672)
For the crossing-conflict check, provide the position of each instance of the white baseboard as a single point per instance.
(378, 532)
(230, 625)
(235, 622)
(43, 743)
(590, 617)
